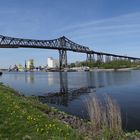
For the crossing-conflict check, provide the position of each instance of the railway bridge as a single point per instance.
(63, 45)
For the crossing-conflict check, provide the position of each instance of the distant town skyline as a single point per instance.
(111, 26)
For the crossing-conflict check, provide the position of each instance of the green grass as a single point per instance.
(21, 119)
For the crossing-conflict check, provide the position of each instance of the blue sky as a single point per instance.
(111, 26)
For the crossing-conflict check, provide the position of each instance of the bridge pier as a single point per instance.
(62, 59)
(99, 58)
(107, 58)
(120, 58)
(114, 58)
(90, 57)
(135, 60)
(129, 60)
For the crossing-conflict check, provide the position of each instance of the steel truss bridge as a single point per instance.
(63, 45)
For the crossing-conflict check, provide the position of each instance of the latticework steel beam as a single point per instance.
(60, 43)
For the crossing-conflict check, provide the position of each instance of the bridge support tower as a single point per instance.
(90, 57)
(107, 58)
(114, 58)
(100, 58)
(62, 59)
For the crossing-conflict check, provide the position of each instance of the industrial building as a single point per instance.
(20, 67)
(30, 64)
(52, 63)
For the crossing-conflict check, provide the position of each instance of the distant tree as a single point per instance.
(72, 65)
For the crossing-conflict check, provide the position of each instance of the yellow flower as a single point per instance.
(42, 129)
(37, 129)
(29, 118)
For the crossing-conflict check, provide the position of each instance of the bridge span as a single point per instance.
(63, 45)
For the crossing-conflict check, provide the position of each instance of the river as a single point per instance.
(68, 91)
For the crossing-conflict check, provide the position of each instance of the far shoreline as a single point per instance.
(120, 69)
(69, 70)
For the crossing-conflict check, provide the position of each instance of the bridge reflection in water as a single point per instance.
(62, 88)
(92, 81)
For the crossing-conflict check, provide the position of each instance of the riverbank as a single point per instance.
(120, 69)
(26, 118)
(82, 70)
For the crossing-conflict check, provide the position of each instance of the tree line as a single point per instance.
(114, 64)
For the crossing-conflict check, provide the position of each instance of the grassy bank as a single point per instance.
(25, 118)
(21, 119)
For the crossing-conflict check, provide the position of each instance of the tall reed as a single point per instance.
(104, 114)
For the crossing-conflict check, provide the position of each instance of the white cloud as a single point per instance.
(120, 25)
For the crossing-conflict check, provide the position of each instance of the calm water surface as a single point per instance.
(68, 91)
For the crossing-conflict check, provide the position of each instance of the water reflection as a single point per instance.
(61, 98)
(63, 76)
(94, 80)
(29, 78)
(64, 82)
(65, 95)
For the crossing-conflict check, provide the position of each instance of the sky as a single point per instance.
(111, 26)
